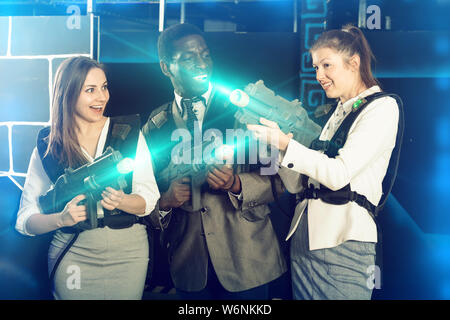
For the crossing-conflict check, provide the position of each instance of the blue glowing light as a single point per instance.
(442, 83)
(441, 46)
(441, 181)
(445, 291)
(443, 137)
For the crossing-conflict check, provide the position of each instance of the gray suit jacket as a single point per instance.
(237, 235)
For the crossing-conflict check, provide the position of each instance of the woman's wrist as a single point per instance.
(284, 142)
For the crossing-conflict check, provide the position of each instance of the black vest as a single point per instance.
(123, 134)
(332, 147)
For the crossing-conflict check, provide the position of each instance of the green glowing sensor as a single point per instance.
(359, 102)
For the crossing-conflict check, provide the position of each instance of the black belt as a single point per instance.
(339, 197)
(101, 223)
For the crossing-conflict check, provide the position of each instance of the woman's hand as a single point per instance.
(270, 133)
(73, 212)
(112, 198)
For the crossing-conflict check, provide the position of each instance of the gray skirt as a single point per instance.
(337, 273)
(102, 264)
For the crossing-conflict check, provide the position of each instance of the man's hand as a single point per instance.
(178, 193)
(223, 178)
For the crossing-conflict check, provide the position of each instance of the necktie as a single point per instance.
(188, 109)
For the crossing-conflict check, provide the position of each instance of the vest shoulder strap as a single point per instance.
(157, 132)
(157, 118)
(124, 129)
(341, 133)
(49, 163)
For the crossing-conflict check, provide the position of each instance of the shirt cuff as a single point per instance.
(21, 222)
(237, 196)
(294, 152)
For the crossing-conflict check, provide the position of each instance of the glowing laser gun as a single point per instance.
(257, 101)
(91, 179)
(196, 168)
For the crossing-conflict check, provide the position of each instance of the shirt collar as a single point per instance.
(347, 105)
(206, 95)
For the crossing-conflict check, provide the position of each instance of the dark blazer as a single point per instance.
(237, 235)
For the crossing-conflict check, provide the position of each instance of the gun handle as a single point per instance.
(91, 210)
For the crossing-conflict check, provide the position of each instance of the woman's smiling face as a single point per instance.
(93, 97)
(334, 73)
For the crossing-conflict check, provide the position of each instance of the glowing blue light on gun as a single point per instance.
(125, 166)
(239, 98)
(224, 152)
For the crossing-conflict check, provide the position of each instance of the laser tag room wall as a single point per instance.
(31, 49)
(249, 40)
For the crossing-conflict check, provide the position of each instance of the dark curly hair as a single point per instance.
(170, 35)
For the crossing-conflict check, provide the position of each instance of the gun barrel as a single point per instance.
(239, 98)
(251, 104)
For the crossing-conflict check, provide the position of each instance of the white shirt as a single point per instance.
(38, 183)
(362, 162)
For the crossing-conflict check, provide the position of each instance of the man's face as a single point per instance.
(191, 66)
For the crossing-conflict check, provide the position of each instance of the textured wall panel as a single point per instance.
(49, 36)
(4, 150)
(23, 141)
(4, 27)
(24, 91)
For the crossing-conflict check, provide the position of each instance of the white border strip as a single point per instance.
(22, 123)
(48, 56)
(11, 168)
(162, 7)
(8, 50)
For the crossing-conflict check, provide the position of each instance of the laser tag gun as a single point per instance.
(196, 163)
(91, 179)
(257, 101)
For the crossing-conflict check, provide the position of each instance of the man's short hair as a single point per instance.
(170, 35)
